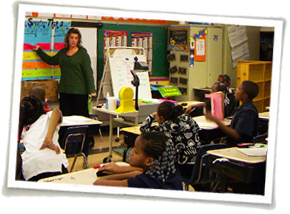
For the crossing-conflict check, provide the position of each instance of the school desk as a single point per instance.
(244, 170)
(263, 122)
(76, 120)
(186, 104)
(208, 132)
(82, 177)
(116, 120)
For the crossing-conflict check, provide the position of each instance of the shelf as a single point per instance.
(259, 72)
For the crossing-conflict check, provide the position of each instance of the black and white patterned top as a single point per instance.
(183, 133)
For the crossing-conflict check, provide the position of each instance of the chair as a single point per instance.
(260, 138)
(74, 140)
(201, 173)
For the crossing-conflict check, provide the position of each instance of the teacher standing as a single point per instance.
(76, 81)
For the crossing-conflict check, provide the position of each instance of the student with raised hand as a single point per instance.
(181, 128)
(76, 81)
(244, 124)
(147, 154)
(216, 87)
(42, 156)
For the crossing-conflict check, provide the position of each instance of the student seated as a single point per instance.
(244, 124)
(181, 128)
(42, 156)
(147, 154)
(39, 92)
(229, 102)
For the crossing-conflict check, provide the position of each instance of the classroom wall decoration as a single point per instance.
(144, 40)
(173, 70)
(173, 80)
(113, 38)
(183, 81)
(200, 45)
(182, 90)
(178, 39)
(182, 71)
(49, 35)
(160, 63)
(171, 57)
(184, 58)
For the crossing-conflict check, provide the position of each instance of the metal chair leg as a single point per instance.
(85, 160)
(100, 132)
(76, 156)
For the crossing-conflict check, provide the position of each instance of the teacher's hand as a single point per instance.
(35, 48)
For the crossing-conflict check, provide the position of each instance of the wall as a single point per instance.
(160, 62)
(253, 34)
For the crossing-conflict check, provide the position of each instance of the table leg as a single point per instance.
(111, 135)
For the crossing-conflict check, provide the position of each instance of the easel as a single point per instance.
(106, 85)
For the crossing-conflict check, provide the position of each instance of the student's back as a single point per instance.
(182, 129)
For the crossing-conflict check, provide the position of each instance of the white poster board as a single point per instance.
(121, 62)
(89, 39)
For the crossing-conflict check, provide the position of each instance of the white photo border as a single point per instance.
(263, 22)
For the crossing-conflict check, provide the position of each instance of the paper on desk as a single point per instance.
(207, 124)
(75, 119)
(253, 151)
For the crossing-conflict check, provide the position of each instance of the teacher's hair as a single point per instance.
(75, 31)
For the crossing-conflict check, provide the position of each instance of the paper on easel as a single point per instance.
(217, 104)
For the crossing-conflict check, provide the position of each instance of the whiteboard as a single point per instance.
(121, 62)
(89, 39)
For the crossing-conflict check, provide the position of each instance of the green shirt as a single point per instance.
(76, 71)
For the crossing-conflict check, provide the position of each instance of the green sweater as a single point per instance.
(76, 71)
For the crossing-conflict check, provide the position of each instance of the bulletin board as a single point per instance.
(160, 63)
(178, 39)
(49, 35)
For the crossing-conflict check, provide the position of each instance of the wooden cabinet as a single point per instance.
(259, 72)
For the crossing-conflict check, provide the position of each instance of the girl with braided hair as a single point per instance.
(181, 129)
(39, 130)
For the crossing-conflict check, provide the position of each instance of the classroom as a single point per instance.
(152, 61)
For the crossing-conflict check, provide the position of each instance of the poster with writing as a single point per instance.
(49, 36)
(144, 40)
(113, 38)
(178, 39)
(200, 49)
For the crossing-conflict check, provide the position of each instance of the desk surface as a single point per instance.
(201, 121)
(264, 115)
(234, 154)
(128, 114)
(188, 103)
(83, 177)
(76, 120)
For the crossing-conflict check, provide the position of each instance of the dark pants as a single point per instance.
(74, 104)
(49, 174)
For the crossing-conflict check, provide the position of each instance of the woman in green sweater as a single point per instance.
(76, 74)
